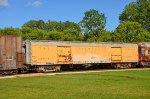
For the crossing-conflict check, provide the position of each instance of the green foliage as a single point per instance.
(93, 20)
(55, 35)
(51, 25)
(72, 35)
(66, 35)
(130, 32)
(26, 31)
(55, 26)
(10, 31)
(93, 23)
(138, 11)
(35, 24)
(105, 36)
(29, 34)
(61, 26)
(72, 26)
(51, 30)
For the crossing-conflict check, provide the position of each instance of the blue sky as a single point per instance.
(14, 13)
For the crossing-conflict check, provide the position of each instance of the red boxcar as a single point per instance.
(144, 54)
(10, 53)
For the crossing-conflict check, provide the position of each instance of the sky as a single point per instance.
(14, 13)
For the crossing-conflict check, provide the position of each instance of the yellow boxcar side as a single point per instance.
(129, 54)
(90, 54)
(41, 54)
(53, 53)
(124, 53)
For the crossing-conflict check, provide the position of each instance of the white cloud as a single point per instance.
(4, 3)
(36, 4)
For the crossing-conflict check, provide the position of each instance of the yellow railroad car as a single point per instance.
(50, 53)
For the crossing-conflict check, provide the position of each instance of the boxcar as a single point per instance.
(10, 53)
(124, 55)
(144, 54)
(51, 53)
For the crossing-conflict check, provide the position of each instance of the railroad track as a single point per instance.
(66, 72)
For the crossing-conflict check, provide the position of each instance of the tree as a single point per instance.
(138, 11)
(72, 35)
(93, 23)
(26, 31)
(106, 36)
(55, 35)
(35, 24)
(55, 26)
(10, 31)
(61, 26)
(29, 34)
(71, 26)
(130, 32)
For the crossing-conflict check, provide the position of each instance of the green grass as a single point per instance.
(115, 84)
